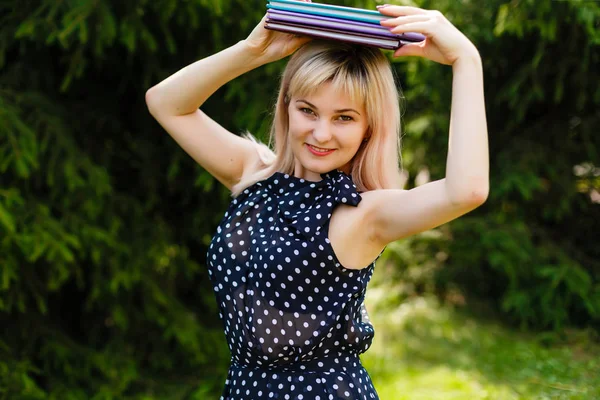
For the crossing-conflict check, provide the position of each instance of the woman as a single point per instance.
(292, 257)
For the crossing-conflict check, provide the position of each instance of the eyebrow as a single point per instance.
(343, 110)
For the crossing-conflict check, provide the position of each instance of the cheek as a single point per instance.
(355, 138)
(296, 135)
(299, 128)
(295, 123)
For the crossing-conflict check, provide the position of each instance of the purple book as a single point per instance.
(338, 25)
(381, 42)
(393, 39)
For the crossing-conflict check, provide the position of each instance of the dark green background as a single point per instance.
(105, 221)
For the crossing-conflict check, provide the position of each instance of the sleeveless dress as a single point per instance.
(294, 317)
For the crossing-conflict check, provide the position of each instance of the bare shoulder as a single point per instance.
(352, 236)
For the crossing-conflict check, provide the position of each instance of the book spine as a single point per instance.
(324, 34)
(326, 26)
(373, 19)
(321, 6)
(310, 20)
(316, 20)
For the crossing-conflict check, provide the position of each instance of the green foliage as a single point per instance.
(531, 247)
(426, 350)
(102, 293)
(104, 222)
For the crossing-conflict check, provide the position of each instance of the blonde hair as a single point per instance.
(363, 73)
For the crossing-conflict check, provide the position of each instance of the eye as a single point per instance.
(307, 111)
(346, 118)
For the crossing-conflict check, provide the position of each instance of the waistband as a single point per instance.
(332, 362)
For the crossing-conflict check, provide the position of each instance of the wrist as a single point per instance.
(469, 58)
(252, 55)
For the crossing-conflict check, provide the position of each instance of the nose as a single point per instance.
(322, 132)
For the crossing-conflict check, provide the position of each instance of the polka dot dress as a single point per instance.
(294, 317)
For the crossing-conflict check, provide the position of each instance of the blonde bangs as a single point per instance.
(319, 71)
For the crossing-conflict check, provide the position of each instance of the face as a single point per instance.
(326, 129)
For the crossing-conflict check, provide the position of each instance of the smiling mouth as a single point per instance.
(319, 149)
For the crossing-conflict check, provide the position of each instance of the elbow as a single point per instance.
(152, 101)
(472, 195)
(478, 196)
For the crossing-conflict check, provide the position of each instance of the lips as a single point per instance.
(318, 151)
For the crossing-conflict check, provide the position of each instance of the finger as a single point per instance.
(410, 50)
(420, 27)
(405, 19)
(400, 10)
(305, 40)
(295, 43)
(300, 40)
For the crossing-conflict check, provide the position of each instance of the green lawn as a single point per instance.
(423, 350)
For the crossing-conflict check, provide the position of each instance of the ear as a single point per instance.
(367, 134)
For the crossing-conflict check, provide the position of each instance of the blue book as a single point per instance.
(328, 10)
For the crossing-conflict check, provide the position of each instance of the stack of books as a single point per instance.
(347, 24)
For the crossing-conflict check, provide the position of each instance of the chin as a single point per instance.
(323, 169)
(318, 169)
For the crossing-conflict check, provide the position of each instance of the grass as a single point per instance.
(424, 350)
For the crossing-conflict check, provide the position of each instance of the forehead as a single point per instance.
(328, 95)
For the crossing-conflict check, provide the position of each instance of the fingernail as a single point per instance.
(383, 5)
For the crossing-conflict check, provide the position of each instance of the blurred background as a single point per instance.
(105, 221)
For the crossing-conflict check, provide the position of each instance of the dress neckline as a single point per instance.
(334, 174)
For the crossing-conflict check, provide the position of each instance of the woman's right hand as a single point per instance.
(269, 45)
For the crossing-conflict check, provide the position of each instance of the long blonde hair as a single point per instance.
(363, 73)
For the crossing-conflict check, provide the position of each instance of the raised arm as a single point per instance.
(394, 214)
(175, 102)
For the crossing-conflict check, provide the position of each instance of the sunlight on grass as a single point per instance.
(423, 350)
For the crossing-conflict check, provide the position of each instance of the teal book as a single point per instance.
(328, 10)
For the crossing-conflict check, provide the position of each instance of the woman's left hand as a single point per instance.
(444, 43)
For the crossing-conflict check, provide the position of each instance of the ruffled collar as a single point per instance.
(307, 206)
